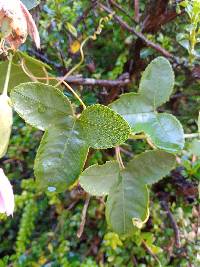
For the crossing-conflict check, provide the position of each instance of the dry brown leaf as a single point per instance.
(16, 23)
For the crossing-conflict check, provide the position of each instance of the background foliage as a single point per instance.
(44, 229)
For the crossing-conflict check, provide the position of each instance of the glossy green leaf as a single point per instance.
(139, 110)
(164, 130)
(157, 82)
(17, 75)
(150, 166)
(29, 61)
(103, 128)
(134, 108)
(60, 157)
(72, 29)
(30, 3)
(127, 203)
(40, 105)
(97, 180)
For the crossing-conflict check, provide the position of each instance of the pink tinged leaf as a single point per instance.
(32, 28)
(16, 23)
(10, 11)
(6, 195)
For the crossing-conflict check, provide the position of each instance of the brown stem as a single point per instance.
(95, 82)
(137, 12)
(150, 252)
(125, 26)
(83, 217)
(120, 8)
(174, 225)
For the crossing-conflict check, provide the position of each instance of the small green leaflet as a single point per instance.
(128, 198)
(139, 110)
(127, 205)
(97, 180)
(157, 82)
(64, 146)
(72, 29)
(103, 128)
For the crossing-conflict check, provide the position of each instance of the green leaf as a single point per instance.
(17, 75)
(138, 110)
(34, 66)
(30, 3)
(72, 29)
(150, 166)
(134, 108)
(30, 61)
(40, 105)
(164, 130)
(103, 128)
(97, 180)
(128, 201)
(198, 123)
(157, 82)
(60, 157)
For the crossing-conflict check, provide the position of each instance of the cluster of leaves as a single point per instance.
(64, 146)
(47, 236)
(190, 39)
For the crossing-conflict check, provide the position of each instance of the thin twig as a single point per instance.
(136, 8)
(150, 252)
(125, 26)
(134, 261)
(83, 217)
(126, 152)
(112, 2)
(198, 224)
(119, 158)
(84, 15)
(174, 225)
(193, 135)
(150, 143)
(95, 82)
(77, 80)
